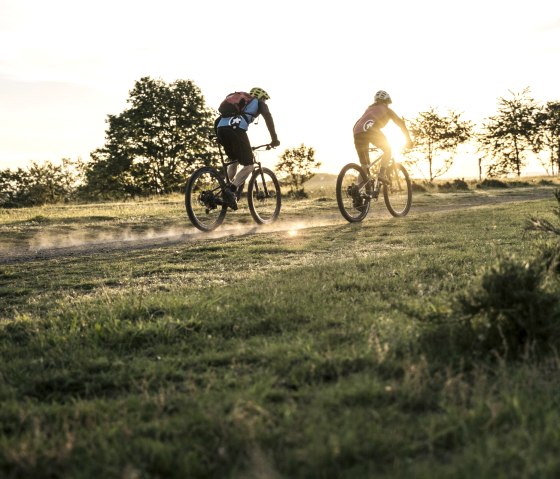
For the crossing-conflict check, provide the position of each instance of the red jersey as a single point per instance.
(376, 116)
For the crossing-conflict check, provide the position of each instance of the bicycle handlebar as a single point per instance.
(266, 146)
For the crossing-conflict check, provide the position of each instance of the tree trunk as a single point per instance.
(480, 169)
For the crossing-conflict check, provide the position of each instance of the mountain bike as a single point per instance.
(204, 194)
(356, 187)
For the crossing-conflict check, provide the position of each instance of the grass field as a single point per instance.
(133, 347)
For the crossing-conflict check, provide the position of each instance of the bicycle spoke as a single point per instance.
(352, 196)
(398, 192)
(263, 195)
(203, 199)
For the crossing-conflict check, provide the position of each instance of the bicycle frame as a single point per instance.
(368, 169)
(258, 166)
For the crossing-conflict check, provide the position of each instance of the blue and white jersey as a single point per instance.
(250, 112)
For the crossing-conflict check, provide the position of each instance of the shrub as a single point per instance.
(492, 183)
(519, 184)
(510, 312)
(418, 188)
(299, 194)
(457, 185)
(39, 184)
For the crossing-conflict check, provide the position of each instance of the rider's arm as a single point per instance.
(265, 112)
(401, 124)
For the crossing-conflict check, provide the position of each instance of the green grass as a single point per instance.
(267, 355)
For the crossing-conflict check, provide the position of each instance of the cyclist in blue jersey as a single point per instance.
(232, 134)
(368, 130)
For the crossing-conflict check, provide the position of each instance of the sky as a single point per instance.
(66, 65)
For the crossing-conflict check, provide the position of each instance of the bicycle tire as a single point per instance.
(263, 196)
(204, 202)
(398, 192)
(353, 204)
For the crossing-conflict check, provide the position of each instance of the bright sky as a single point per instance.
(65, 65)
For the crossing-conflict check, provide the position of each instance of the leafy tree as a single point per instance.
(510, 135)
(437, 138)
(39, 184)
(295, 166)
(548, 135)
(154, 144)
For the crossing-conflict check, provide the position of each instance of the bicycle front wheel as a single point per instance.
(398, 191)
(351, 193)
(263, 196)
(204, 199)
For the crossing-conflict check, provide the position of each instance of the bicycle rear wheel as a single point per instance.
(263, 196)
(204, 199)
(398, 191)
(351, 195)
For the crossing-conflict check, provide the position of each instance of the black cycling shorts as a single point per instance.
(236, 144)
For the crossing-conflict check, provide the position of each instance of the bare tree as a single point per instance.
(436, 139)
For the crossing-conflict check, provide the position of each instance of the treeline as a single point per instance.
(150, 149)
(521, 129)
(41, 184)
(165, 133)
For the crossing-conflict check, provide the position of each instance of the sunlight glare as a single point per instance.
(395, 137)
(292, 233)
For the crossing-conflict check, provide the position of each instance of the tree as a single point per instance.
(548, 135)
(510, 135)
(39, 184)
(434, 135)
(295, 166)
(153, 145)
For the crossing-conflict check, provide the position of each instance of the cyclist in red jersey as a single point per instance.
(368, 130)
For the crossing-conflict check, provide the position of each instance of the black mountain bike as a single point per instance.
(356, 187)
(204, 194)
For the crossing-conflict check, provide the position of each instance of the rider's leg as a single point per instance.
(242, 175)
(378, 139)
(229, 138)
(361, 143)
(244, 155)
(231, 170)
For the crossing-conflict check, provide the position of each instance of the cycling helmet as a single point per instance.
(259, 93)
(382, 97)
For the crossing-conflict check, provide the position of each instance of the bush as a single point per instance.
(39, 184)
(418, 188)
(519, 184)
(492, 183)
(457, 185)
(510, 312)
(300, 194)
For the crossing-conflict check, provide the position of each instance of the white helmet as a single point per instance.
(382, 96)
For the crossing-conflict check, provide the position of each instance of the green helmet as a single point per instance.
(259, 93)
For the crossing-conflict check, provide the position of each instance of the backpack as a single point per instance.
(234, 103)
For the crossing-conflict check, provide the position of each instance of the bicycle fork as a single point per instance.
(261, 194)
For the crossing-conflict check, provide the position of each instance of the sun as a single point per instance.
(395, 137)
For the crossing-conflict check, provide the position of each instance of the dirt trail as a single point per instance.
(178, 236)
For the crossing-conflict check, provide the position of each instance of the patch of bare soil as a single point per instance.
(444, 202)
